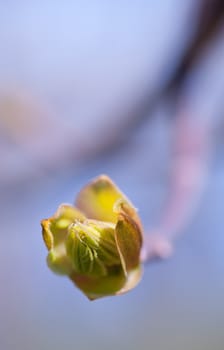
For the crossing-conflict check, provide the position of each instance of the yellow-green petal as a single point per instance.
(115, 284)
(95, 288)
(107, 250)
(59, 262)
(96, 200)
(54, 229)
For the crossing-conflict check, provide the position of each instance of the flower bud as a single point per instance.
(97, 245)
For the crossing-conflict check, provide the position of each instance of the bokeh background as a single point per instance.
(91, 87)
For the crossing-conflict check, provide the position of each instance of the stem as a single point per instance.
(187, 179)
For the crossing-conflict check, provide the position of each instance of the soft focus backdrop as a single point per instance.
(73, 77)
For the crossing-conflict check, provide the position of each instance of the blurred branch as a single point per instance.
(210, 15)
(188, 177)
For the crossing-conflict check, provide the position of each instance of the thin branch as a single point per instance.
(187, 179)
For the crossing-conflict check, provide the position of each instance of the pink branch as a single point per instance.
(187, 179)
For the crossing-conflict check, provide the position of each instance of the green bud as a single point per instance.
(92, 248)
(97, 245)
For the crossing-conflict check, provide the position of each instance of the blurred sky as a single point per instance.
(69, 74)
